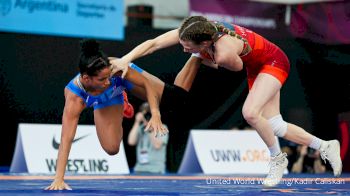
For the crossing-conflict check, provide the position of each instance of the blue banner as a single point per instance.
(102, 19)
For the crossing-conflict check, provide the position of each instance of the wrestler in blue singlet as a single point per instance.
(113, 95)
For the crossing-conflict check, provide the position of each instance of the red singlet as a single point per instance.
(265, 57)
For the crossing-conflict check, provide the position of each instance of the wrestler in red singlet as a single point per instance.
(265, 57)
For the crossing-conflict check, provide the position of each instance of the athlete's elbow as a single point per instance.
(239, 67)
(67, 136)
(236, 67)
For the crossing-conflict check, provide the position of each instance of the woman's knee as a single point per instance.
(278, 125)
(111, 143)
(112, 149)
(250, 114)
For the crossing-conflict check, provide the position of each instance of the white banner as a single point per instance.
(225, 152)
(37, 147)
(76, 18)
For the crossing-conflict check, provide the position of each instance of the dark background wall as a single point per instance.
(35, 69)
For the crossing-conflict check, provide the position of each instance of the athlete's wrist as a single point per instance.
(155, 112)
(127, 59)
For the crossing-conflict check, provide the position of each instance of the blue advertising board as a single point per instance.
(102, 19)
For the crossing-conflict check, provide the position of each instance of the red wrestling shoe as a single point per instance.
(128, 108)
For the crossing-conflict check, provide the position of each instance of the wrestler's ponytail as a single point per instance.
(222, 29)
(92, 59)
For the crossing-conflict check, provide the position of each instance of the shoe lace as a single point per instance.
(324, 155)
(274, 165)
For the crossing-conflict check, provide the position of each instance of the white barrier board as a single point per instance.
(37, 148)
(225, 152)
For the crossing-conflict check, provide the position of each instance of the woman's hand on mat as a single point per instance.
(119, 66)
(58, 185)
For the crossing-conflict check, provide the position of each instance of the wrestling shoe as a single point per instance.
(277, 166)
(128, 108)
(330, 150)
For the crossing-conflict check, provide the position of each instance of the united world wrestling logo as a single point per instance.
(5, 7)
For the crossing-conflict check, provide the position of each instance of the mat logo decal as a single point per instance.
(56, 144)
(230, 155)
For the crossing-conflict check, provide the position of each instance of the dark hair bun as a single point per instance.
(90, 47)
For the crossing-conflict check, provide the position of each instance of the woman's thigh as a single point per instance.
(263, 91)
(108, 121)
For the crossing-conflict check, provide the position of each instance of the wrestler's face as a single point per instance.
(101, 81)
(191, 47)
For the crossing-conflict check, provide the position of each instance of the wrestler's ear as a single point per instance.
(206, 44)
(85, 77)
